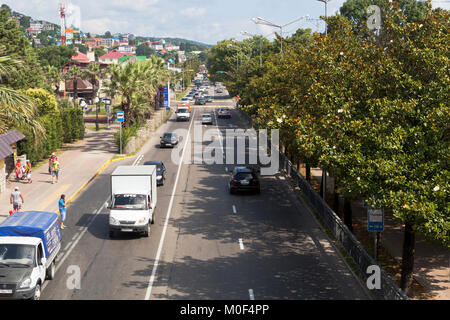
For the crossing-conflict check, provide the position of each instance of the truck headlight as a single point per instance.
(142, 220)
(25, 283)
(113, 221)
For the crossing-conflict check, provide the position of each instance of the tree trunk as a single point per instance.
(308, 172)
(348, 213)
(75, 90)
(335, 200)
(408, 257)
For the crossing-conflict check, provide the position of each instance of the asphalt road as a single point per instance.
(213, 246)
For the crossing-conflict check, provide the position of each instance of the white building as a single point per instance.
(127, 49)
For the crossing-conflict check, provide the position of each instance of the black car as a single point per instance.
(160, 171)
(244, 179)
(200, 101)
(169, 139)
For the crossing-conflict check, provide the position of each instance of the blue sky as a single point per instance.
(207, 21)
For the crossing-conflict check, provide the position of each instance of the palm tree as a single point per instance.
(53, 77)
(16, 109)
(74, 73)
(135, 83)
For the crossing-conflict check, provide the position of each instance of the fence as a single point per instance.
(389, 289)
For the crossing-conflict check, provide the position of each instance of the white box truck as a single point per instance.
(29, 244)
(133, 199)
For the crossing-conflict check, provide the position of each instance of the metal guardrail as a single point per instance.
(389, 289)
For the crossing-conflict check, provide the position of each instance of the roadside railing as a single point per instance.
(389, 290)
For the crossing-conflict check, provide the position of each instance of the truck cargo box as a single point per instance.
(39, 224)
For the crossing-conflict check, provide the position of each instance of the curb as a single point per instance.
(103, 167)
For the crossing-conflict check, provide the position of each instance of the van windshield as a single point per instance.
(183, 110)
(130, 201)
(16, 255)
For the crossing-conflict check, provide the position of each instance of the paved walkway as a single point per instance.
(432, 261)
(79, 163)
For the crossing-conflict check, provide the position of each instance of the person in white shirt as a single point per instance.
(16, 199)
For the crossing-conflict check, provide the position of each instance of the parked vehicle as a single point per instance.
(169, 139)
(224, 113)
(209, 99)
(133, 199)
(29, 245)
(183, 112)
(244, 179)
(219, 90)
(160, 171)
(207, 118)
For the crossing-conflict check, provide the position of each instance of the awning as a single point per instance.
(6, 140)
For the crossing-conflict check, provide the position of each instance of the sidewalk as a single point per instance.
(432, 261)
(79, 163)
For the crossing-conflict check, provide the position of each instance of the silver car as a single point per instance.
(207, 118)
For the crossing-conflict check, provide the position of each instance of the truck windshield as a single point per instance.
(183, 110)
(16, 255)
(130, 201)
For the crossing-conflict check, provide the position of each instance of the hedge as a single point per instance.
(66, 126)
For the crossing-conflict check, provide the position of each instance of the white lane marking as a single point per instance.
(250, 293)
(226, 169)
(241, 244)
(234, 209)
(63, 257)
(137, 160)
(169, 211)
(220, 135)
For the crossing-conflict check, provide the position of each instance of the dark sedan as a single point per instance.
(244, 179)
(169, 139)
(160, 171)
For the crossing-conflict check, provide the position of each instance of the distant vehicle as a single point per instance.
(224, 113)
(219, 90)
(183, 112)
(209, 99)
(133, 200)
(29, 245)
(244, 179)
(200, 101)
(207, 118)
(169, 139)
(186, 100)
(160, 171)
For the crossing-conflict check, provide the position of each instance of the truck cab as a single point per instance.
(29, 244)
(133, 199)
(183, 112)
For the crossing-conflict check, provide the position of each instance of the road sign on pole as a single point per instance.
(375, 219)
(121, 119)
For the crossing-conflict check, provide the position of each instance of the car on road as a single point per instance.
(186, 100)
(244, 179)
(200, 101)
(219, 90)
(224, 113)
(169, 139)
(209, 99)
(160, 171)
(207, 118)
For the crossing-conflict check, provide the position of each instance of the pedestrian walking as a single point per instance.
(50, 162)
(18, 170)
(55, 170)
(28, 171)
(62, 210)
(16, 199)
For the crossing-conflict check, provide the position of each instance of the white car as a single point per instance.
(207, 118)
(186, 100)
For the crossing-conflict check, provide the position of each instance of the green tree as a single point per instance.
(145, 50)
(17, 110)
(28, 74)
(55, 56)
(99, 51)
(45, 101)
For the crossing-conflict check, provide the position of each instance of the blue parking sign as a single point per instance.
(375, 219)
(120, 116)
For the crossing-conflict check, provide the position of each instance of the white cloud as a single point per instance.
(193, 12)
(136, 5)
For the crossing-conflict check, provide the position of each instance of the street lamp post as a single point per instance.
(326, 26)
(245, 33)
(259, 20)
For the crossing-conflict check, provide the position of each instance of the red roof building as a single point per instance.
(81, 57)
(114, 56)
